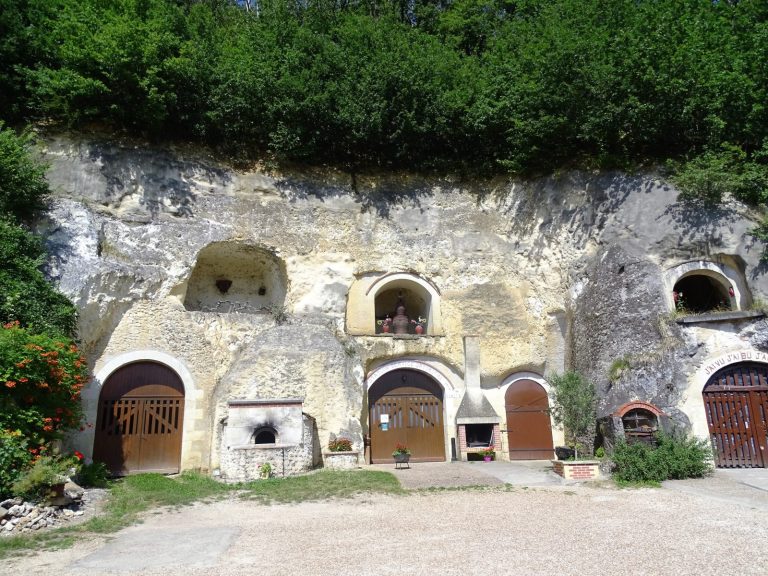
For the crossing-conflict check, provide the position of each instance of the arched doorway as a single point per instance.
(140, 420)
(736, 403)
(406, 407)
(529, 430)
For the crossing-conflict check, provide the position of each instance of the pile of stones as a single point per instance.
(18, 516)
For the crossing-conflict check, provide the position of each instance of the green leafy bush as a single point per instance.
(35, 482)
(674, 458)
(94, 474)
(25, 294)
(574, 400)
(22, 180)
(14, 458)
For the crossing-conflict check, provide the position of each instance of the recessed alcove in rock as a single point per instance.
(234, 277)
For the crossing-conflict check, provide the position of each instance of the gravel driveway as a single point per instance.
(578, 530)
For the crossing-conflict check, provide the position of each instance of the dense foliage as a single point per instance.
(674, 458)
(40, 382)
(22, 181)
(497, 84)
(25, 294)
(41, 371)
(574, 401)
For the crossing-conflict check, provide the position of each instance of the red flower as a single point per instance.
(79, 455)
(10, 384)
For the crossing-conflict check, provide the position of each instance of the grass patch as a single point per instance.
(637, 483)
(322, 485)
(132, 496)
(467, 488)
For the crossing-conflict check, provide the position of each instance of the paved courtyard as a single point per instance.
(712, 526)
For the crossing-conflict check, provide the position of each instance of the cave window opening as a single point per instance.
(699, 293)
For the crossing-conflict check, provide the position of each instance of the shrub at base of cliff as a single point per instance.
(675, 458)
(14, 459)
(40, 382)
(574, 401)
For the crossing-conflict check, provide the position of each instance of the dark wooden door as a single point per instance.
(414, 407)
(529, 431)
(140, 420)
(736, 402)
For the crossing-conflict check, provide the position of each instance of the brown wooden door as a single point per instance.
(140, 420)
(736, 403)
(529, 431)
(415, 413)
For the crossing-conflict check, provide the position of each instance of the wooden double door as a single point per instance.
(736, 403)
(140, 420)
(529, 431)
(406, 407)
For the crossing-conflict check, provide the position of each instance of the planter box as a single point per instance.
(341, 460)
(577, 469)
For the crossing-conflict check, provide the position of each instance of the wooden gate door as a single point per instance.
(140, 420)
(529, 430)
(736, 401)
(414, 414)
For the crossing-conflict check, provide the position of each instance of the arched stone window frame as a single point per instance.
(725, 275)
(361, 304)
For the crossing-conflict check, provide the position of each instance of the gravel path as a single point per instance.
(579, 530)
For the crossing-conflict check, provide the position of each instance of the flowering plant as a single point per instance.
(340, 445)
(40, 382)
(488, 452)
(386, 322)
(401, 449)
(420, 320)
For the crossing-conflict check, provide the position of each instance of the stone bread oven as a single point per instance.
(266, 431)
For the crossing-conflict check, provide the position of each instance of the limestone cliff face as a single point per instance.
(567, 271)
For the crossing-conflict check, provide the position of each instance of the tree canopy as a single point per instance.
(499, 85)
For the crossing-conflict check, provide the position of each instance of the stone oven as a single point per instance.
(257, 432)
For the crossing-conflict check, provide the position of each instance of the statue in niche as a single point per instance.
(400, 321)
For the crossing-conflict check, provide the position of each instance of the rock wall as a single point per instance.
(570, 271)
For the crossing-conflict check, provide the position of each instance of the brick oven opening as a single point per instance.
(265, 435)
(479, 435)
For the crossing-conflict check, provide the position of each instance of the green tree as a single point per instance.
(574, 402)
(25, 294)
(22, 180)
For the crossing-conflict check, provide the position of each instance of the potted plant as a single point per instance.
(419, 325)
(574, 403)
(488, 454)
(385, 324)
(340, 445)
(401, 454)
(341, 454)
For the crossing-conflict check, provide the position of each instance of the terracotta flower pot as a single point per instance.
(419, 329)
